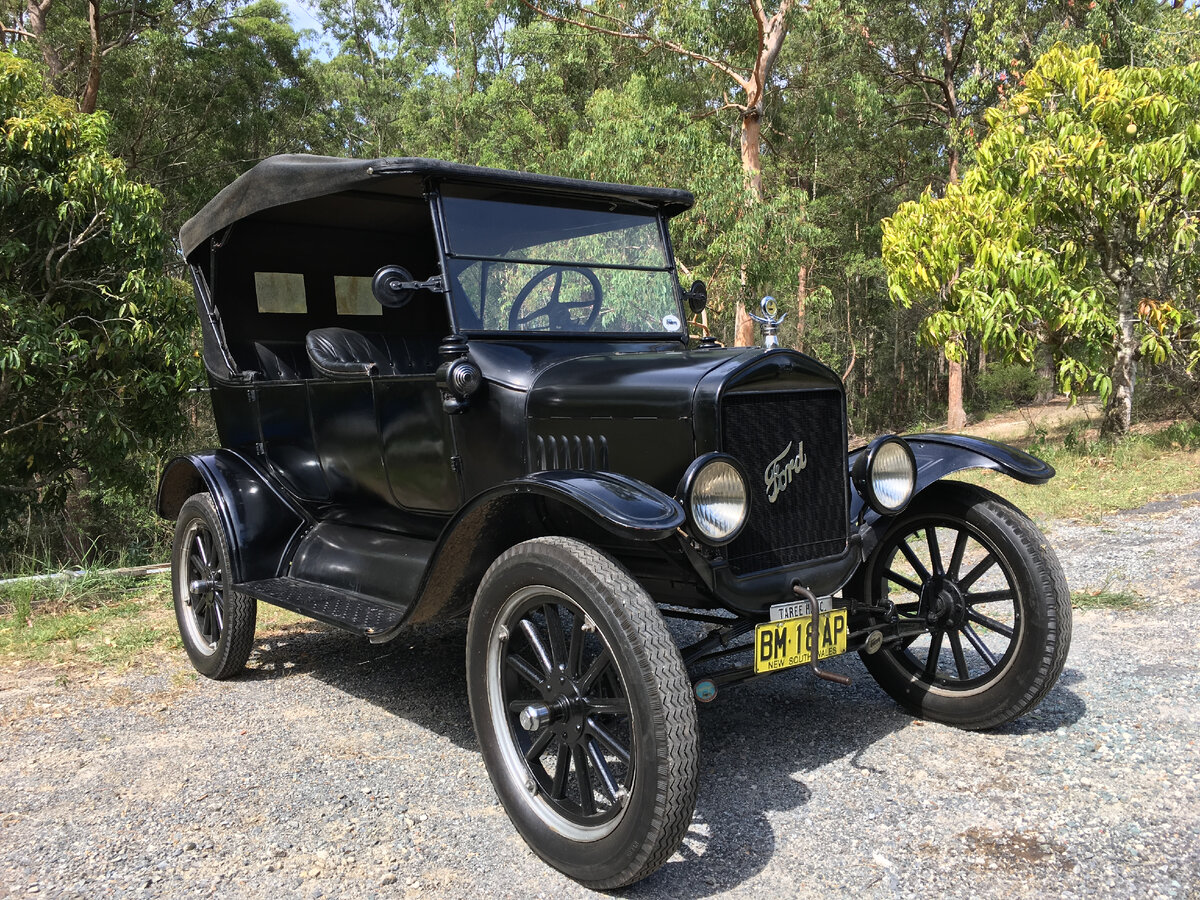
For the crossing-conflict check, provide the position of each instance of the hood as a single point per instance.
(659, 385)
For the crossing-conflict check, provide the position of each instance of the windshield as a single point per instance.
(533, 268)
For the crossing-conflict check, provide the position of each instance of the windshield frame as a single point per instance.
(447, 256)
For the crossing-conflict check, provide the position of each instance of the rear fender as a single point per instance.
(581, 504)
(939, 455)
(262, 526)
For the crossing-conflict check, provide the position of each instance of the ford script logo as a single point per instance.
(779, 471)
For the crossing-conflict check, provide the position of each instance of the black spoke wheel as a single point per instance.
(215, 622)
(583, 710)
(982, 604)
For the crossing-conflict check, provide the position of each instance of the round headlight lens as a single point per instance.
(893, 475)
(718, 502)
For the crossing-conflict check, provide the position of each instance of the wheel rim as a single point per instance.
(201, 585)
(950, 577)
(573, 754)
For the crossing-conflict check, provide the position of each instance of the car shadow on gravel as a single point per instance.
(762, 743)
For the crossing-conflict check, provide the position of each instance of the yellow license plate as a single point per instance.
(781, 645)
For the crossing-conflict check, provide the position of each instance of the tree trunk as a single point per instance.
(38, 10)
(801, 304)
(982, 359)
(87, 103)
(956, 416)
(743, 330)
(1043, 356)
(1119, 415)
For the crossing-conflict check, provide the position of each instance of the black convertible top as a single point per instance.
(289, 178)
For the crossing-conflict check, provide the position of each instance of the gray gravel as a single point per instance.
(335, 768)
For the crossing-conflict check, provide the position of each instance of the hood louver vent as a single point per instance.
(561, 451)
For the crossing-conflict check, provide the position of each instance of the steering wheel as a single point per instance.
(559, 313)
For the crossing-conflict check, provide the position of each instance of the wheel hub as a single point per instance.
(943, 602)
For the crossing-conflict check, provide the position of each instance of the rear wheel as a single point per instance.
(583, 710)
(215, 622)
(985, 604)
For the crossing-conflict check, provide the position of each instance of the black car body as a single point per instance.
(402, 448)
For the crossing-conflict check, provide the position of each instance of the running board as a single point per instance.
(349, 611)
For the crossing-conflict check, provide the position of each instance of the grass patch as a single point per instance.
(1106, 599)
(90, 619)
(99, 620)
(1096, 478)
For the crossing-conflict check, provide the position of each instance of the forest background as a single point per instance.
(802, 128)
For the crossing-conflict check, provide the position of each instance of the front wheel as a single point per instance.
(583, 710)
(983, 605)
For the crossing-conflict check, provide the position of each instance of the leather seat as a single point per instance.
(345, 353)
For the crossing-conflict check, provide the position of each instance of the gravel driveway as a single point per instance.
(336, 768)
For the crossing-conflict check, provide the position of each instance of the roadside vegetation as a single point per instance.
(1096, 477)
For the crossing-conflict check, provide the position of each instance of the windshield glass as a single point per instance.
(527, 267)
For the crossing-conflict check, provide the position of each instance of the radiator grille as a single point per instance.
(808, 519)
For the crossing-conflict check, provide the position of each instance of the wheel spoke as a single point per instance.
(980, 647)
(595, 670)
(558, 789)
(956, 557)
(914, 561)
(217, 615)
(935, 650)
(601, 766)
(990, 623)
(608, 706)
(538, 746)
(974, 575)
(989, 597)
(539, 649)
(525, 670)
(575, 651)
(935, 553)
(196, 565)
(960, 661)
(905, 583)
(604, 736)
(554, 629)
(201, 549)
(587, 798)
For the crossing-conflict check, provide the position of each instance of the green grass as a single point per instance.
(101, 620)
(1096, 478)
(116, 622)
(1106, 599)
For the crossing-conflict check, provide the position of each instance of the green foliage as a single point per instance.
(1082, 201)
(1004, 386)
(93, 333)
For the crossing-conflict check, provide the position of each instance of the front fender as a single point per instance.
(261, 525)
(939, 455)
(516, 511)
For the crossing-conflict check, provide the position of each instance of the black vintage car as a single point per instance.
(445, 391)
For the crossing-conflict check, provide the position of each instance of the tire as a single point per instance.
(562, 636)
(980, 577)
(215, 622)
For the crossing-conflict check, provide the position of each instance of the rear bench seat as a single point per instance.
(345, 353)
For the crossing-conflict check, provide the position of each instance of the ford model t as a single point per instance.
(445, 391)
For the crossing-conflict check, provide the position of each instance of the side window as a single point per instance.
(354, 296)
(280, 292)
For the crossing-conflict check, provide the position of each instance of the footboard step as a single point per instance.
(347, 610)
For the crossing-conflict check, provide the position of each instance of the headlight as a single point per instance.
(715, 496)
(886, 474)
